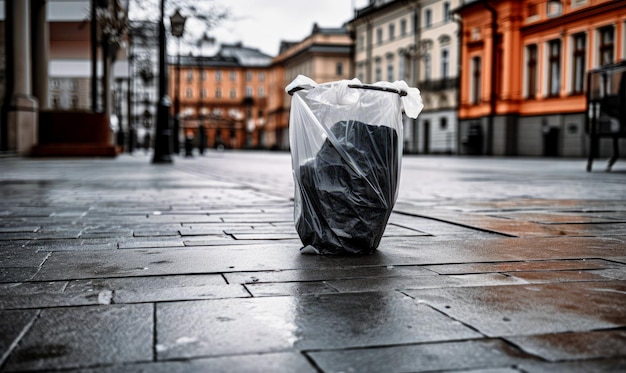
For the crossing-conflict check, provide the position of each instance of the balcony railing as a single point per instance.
(439, 85)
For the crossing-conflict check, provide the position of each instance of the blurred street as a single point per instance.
(487, 264)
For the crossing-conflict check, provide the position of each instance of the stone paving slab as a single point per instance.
(532, 309)
(479, 355)
(574, 346)
(279, 362)
(65, 338)
(17, 257)
(116, 290)
(506, 227)
(13, 275)
(12, 326)
(321, 274)
(610, 365)
(557, 218)
(175, 260)
(48, 246)
(430, 282)
(524, 266)
(560, 276)
(54, 299)
(209, 328)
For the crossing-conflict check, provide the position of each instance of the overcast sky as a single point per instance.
(263, 24)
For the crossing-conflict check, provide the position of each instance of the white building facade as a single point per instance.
(415, 41)
(438, 59)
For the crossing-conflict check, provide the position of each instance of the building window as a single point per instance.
(443, 123)
(476, 80)
(402, 27)
(532, 11)
(218, 76)
(73, 84)
(249, 76)
(554, 8)
(390, 71)
(475, 33)
(445, 63)
(55, 84)
(402, 67)
(74, 102)
(360, 71)
(233, 76)
(379, 36)
(392, 31)
(531, 67)
(189, 75)
(378, 71)
(261, 76)
(361, 43)
(56, 102)
(446, 12)
(428, 15)
(607, 45)
(261, 92)
(249, 91)
(202, 93)
(578, 68)
(427, 67)
(218, 93)
(189, 93)
(554, 67)
(202, 75)
(233, 93)
(339, 68)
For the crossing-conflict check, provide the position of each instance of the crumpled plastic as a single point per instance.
(346, 148)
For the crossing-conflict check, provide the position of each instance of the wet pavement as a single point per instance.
(486, 265)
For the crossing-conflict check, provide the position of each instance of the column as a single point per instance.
(23, 111)
(41, 53)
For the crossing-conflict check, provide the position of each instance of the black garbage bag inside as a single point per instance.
(348, 189)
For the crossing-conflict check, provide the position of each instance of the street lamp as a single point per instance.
(163, 135)
(177, 22)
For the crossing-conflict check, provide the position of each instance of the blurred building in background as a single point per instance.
(324, 56)
(225, 93)
(415, 41)
(498, 77)
(61, 68)
(524, 69)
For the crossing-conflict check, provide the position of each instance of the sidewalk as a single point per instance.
(497, 265)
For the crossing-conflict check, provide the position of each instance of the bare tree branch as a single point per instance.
(202, 15)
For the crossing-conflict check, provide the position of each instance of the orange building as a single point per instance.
(225, 93)
(523, 91)
(324, 56)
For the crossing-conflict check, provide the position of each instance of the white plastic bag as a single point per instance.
(346, 149)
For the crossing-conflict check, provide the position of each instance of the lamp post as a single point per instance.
(249, 125)
(163, 135)
(177, 21)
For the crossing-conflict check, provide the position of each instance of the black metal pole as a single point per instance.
(94, 57)
(163, 135)
(177, 103)
(493, 95)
